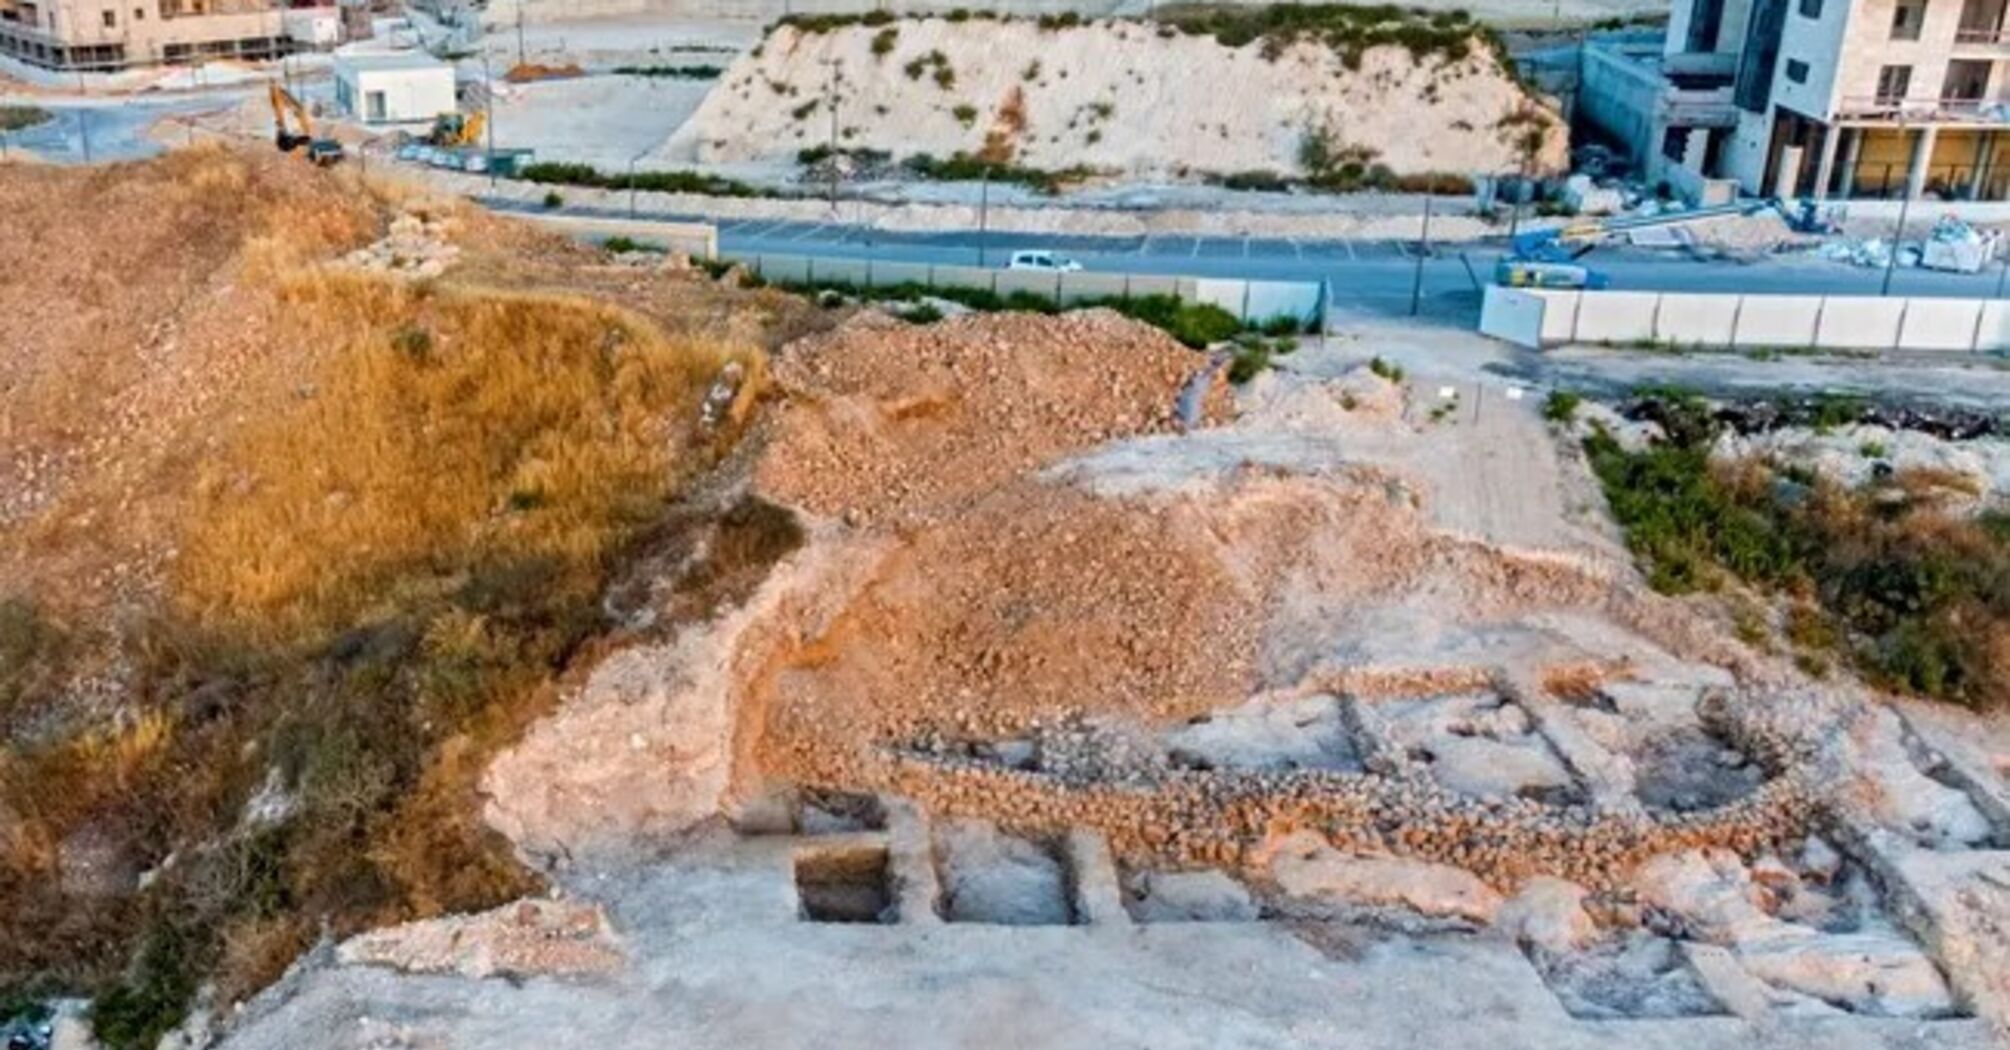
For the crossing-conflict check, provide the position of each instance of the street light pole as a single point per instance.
(84, 130)
(1898, 237)
(983, 211)
(1423, 249)
(489, 125)
(831, 100)
(631, 185)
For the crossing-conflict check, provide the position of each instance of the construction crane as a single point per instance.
(455, 130)
(322, 151)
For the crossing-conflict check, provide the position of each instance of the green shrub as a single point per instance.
(654, 181)
(1902, 586)
(963, 167)
(674, 72)
(553, 200)
(965, 114)
(1386, 369)
(884, 41)
(1561, 406)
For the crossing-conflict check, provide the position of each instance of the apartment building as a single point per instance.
(115, 34)
(1819, 98)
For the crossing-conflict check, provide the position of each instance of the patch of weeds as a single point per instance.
(553, 200)
(414, 342)
(805, 111)
(965, 114)
(623, 245)
(884, 41)
(1892, 582)
(16, 118)
(1561, 406)
(1388, 370)
(1872, 450)
(1031, 72)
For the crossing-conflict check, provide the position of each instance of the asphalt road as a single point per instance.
(1372, 275)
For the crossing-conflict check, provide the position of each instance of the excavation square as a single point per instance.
(844, 884)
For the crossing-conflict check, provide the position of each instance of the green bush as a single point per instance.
(553, 200)
(655, 181)
(884, 41)
(1908, 589)
(965, 114)
(1561, 406)
(963, 167)
(674, 72)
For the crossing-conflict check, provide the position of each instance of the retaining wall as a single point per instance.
(1250, 301)
(1543, 318)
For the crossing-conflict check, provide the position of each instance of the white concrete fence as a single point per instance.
(1711, 321)
(1250, 301)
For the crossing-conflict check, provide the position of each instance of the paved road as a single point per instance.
(1373, 275)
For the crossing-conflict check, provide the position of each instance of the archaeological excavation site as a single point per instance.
(425, 631)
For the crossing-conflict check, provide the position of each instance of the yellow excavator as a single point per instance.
(321, 151)
(454, 130)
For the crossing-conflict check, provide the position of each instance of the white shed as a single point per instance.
(393, 87)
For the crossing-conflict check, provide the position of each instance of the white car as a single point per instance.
(1047, 261)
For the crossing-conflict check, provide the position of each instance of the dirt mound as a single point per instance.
(1115, 96)
(884, 419)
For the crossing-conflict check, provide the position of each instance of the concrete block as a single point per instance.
(1994, 333)
(1559, 316)
(889, 274)
(1513, 316)
(1776, 320)
(1697, 320)
(1616, 317)
(1856, 322)
(1940, 324)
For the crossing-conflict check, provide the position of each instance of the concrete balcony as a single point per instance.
(1968, 112)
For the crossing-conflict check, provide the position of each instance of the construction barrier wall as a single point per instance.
(1251, 301)
(700, 240)
(1538, 318)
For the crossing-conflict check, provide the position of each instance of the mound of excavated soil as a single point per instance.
(1113, 96)
(884, 419)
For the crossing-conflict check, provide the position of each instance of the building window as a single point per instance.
(1894, 83)
(1907, 18)
(111, 19)
(1811, 9)
(1797, 71)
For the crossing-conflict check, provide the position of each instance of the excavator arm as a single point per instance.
(283, 106)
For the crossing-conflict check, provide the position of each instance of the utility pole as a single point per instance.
(84, 130)
(489, 107)
(831, 100)
(519, 34)
(983, 211)
(1423, 250)
(631, 184)
(1898, 237)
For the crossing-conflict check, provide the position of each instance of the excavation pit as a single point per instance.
(1635, 978)
(1478, 744)
(990, 877)
(1308, 733)
(1690, 769)
(1154, 896)
(844, 884)
(839, 812)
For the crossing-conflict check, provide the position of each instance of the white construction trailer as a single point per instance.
(394, 87)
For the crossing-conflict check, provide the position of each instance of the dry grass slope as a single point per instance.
(305, 546)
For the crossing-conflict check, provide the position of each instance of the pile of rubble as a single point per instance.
(416, 245)
(884, 418)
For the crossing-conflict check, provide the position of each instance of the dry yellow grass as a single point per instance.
(454, 426)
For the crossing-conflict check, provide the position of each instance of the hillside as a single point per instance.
(1128, 98)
